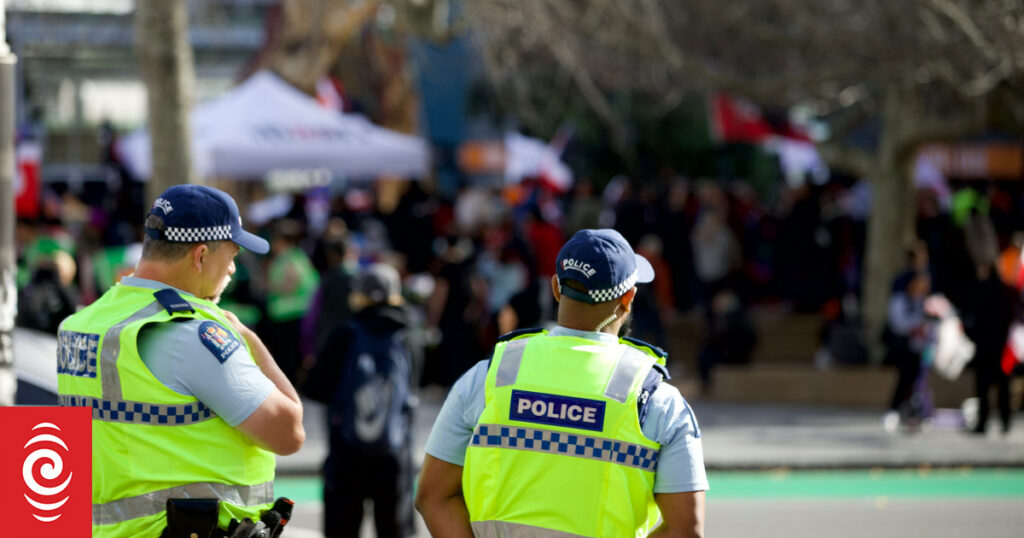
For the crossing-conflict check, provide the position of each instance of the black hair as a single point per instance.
(166, 251)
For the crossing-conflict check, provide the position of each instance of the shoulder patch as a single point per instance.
(218, 340)
(172, 302)
(520, 332)
(650, 348)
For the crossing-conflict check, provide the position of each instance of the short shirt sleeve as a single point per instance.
(203, 359)
(671, 422)
(454, 426)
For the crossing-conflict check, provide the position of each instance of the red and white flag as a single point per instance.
(527, 157)
(734, 119)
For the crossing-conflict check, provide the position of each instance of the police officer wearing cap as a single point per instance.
(569, 432)
(186, 401)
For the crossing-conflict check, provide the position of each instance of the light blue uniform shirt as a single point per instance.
(670, 422)
(175, 355)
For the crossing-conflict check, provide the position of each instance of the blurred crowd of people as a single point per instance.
(965, 266)
(477, 265)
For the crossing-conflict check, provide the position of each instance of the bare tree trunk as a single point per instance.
(891, 226)
(162, 43)
(312, 35)
(8, 288)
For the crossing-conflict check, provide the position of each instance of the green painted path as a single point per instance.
(786, 484)
(899, 483)
(300, 489)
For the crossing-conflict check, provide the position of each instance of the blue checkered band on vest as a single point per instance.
(140, 412)
(600, 296)
(197, 235)
(565, 444)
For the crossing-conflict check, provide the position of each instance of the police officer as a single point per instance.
(187, 402)
(569, 432)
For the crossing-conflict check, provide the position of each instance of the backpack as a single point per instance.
(370, 408)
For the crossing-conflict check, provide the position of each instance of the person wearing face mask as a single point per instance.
(570, 431)
(187, 403)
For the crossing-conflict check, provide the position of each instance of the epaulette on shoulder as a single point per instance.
(172, 301)
(655, 350)
(661, 369)
(520, 333)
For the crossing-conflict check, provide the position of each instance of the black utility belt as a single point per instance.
(197, 518)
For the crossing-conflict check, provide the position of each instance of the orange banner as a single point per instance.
(1002, 160)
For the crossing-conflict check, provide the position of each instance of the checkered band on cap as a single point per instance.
(600, 296)
(197, 235)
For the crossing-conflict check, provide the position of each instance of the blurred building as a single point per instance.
(77, 70)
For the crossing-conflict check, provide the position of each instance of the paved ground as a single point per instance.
(743, 436)
(923, 502)
(857, 518)
(766, 436)
(937, 483)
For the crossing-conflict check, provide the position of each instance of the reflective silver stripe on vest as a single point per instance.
(565, 444)
(204, 308)
(505, 529)
(113, 408)
(625, 372)
(508, 366)
(154, 502)
(112, 349)
(140, 412)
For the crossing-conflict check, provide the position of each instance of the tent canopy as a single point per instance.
(265, 124)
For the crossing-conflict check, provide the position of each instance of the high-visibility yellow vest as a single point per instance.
(151, 443)
(558, 449)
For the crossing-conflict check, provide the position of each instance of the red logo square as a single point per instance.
(46, 471)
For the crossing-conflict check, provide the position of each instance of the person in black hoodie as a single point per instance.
(365, 374)
(988, 312)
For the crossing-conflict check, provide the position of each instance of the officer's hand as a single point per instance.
(236, 323)
(247, 333)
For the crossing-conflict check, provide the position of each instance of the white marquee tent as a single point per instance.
(264, 124)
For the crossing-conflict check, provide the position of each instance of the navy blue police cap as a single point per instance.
(197, 213)
(604, 263)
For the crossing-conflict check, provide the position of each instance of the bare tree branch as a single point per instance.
(935, 129)
(848, 159)
(963, 22)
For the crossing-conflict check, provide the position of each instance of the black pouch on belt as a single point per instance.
(191, 518)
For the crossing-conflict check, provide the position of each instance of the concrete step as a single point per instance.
(782, 337)
(850, 386)
(786, 338)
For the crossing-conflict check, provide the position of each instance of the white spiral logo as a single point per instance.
(50, 471)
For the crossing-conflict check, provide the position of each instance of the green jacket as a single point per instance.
(292, 282)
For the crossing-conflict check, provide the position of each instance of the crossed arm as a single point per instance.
(439, 500)
(277, 423)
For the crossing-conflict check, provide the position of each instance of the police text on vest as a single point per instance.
(557, 410)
